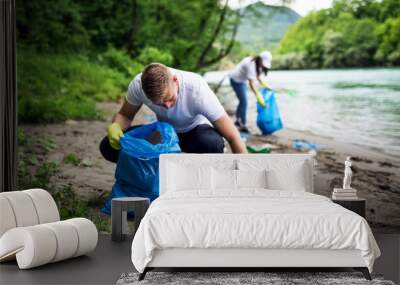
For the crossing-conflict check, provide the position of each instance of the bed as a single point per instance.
(247, 210)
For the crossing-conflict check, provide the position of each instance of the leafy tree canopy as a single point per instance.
(351, 33)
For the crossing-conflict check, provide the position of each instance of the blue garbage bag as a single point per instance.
(268, 118)
(137, 172)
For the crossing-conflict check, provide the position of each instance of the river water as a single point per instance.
(358, 106)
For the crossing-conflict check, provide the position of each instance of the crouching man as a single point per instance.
(182, 99)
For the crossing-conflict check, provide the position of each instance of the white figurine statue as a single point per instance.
(347, 174)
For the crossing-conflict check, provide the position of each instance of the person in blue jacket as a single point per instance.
(252, 70)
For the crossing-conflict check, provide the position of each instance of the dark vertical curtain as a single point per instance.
(8, 97)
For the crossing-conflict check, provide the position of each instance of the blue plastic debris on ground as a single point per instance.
(302, 144)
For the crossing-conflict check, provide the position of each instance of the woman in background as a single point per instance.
(251, 69)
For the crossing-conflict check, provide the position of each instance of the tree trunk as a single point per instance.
(202, 62)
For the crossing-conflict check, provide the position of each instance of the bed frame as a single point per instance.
(246, 259)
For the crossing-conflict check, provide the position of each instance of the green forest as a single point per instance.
(72, 54)
(353, 33)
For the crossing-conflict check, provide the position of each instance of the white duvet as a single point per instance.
(250, 219)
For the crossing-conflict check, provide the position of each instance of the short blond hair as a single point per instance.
(156, 78)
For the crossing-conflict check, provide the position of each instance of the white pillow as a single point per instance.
(223, 179)
(183, 177)
(251, 178)
(293, 179)
(282, 173)
(231, 180)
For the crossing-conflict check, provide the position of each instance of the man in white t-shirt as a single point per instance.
(182, 99)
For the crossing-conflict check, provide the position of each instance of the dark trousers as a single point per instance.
(201, 139)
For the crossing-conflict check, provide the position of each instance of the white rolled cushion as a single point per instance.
(37, 245)
(67, 240)
(45, 205)
(251, 178)
(33, 246)
(23, 208)
(87, 235)
(7, 218)
(183, 177)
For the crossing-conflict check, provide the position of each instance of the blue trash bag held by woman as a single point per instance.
(268, 118)
(137, 172)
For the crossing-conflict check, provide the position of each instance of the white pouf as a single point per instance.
(31, 232)
(7, 218)
(45, 205)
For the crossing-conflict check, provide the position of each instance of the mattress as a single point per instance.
(251, 219)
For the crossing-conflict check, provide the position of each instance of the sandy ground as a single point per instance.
(375, 175)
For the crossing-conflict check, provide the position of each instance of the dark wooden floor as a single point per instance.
(110, 260)
(103, 266)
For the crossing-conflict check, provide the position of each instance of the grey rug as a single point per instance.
(228, 278)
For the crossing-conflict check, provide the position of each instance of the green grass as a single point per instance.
(37, 178)
(71, 206)
(72, 158)
(68, 203)
(53, 88)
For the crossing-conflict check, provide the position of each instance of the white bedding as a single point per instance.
(252, 218)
